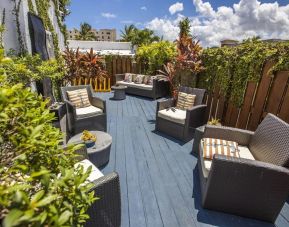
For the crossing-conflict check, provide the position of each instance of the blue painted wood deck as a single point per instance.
(158, 174)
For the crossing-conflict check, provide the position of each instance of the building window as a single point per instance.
(108, 33)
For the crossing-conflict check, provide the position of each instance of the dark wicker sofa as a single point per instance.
(160, 87)
(251, 188)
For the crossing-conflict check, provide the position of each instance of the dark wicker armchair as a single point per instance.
(255, 188)
(181, 127)
(90, 118)
(106, 211)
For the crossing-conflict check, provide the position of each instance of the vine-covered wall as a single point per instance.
(231, 68)
(52, 12)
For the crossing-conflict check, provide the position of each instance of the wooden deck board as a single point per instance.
(158, 175)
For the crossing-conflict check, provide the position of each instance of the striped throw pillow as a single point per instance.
(185, 101)
(79, 98)
(213, 146)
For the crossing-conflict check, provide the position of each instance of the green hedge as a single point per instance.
(155, 55)
(232, 67)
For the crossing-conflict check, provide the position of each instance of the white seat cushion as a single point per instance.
(82, 112)
(207, 163)
(95, 172)
(132, 84)
(174, 115)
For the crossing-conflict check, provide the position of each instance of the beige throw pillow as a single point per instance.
(139, 79)
(185, 101)
(128, 77)
(79, 98)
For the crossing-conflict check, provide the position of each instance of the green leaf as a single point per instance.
(64, 217)
(40, 173)
(27, 215)
(46, 201)
(35, 198)
(12, 219)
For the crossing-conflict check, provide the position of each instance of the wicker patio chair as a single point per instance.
(182, 129)
(90, 118)
(251, 188)
(106, 211)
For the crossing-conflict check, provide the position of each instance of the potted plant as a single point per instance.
(215, 122)
(88, 138)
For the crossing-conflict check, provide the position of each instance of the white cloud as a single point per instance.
(243, 20)
(108, 15)
(166, 27)
(144, 8)
(177, 7)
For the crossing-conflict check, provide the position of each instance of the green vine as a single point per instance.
(2, 28)
(31, 7)
(231, 68)
(16, 10)
(62, 26)
(42, 8)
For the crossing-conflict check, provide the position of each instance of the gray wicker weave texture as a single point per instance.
(106, 211)
(270, 143)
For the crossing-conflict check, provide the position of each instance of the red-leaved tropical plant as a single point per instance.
(87, 65)
(73, 62)
(189, 49)
(169, 74)
(188, 58)
(93, 65)
(189, 54)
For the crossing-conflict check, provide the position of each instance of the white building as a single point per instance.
(103, 47)
(101, 34)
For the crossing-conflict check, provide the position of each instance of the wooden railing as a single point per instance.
(99, 85)
(269, 95)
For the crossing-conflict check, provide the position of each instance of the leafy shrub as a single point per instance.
(38, 183)
(231, 68)
(26, 68)
(155, 55)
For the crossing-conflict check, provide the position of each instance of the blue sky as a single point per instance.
(130, 10)
(117, 13)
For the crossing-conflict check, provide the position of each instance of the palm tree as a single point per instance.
(138, 37)
(145, 37)
(128, 33)
(85, 32)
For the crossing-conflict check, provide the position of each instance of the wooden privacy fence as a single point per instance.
(122, 64)
(269, 95)
(114, 65)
